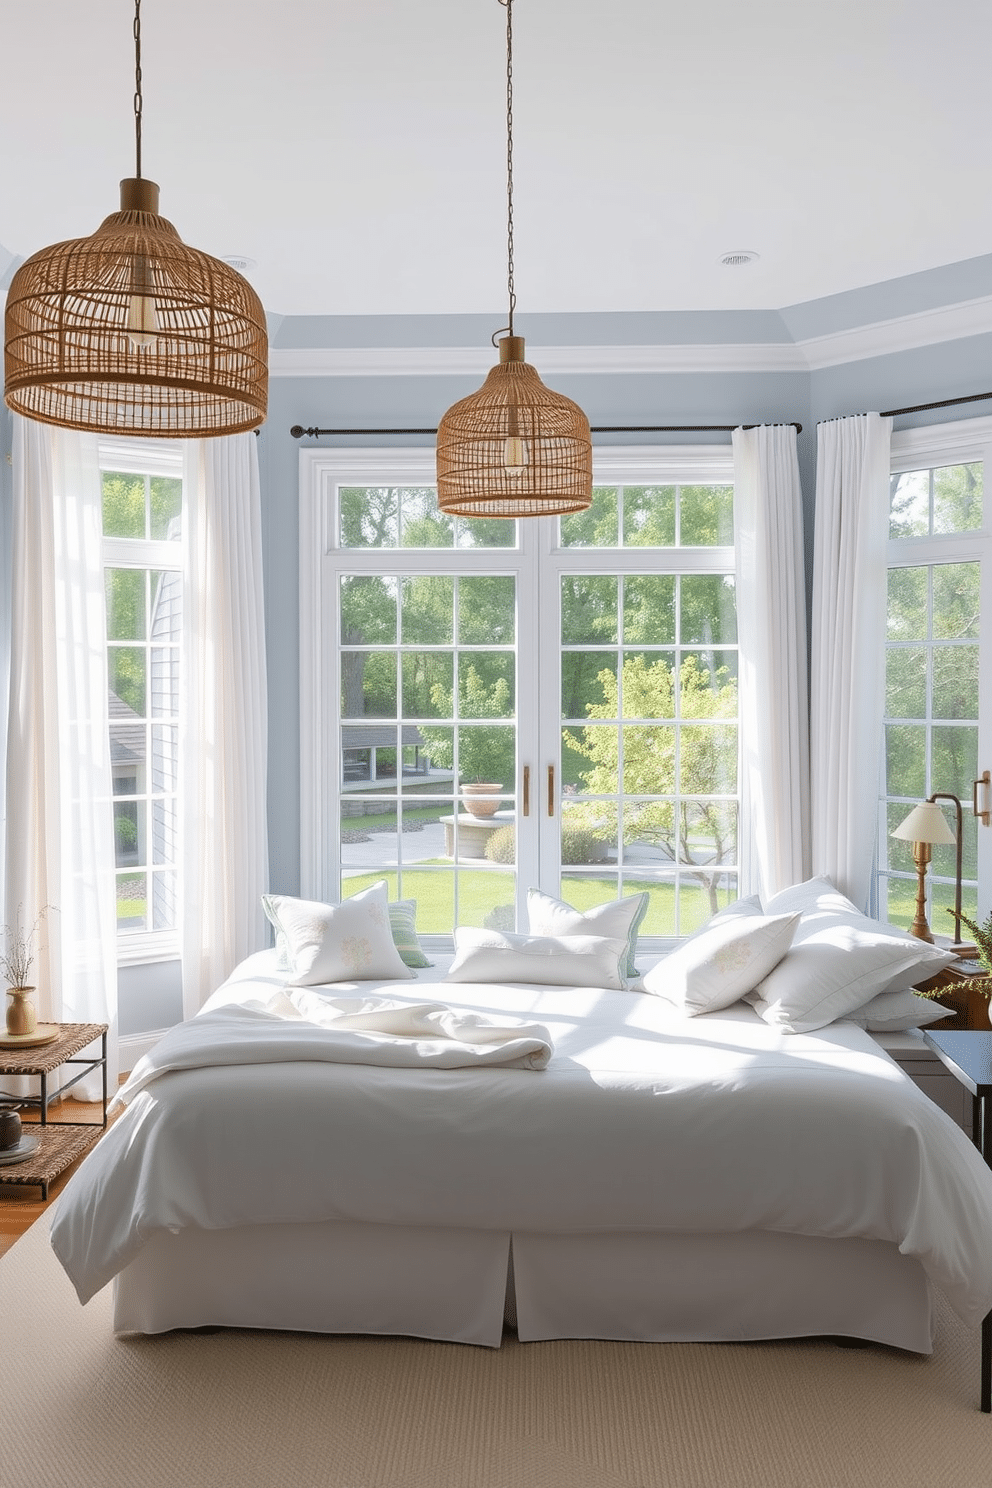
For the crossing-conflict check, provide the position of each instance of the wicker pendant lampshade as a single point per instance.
(131, 331)
(514, 448)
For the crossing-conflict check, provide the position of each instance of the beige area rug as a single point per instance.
(239, 1409)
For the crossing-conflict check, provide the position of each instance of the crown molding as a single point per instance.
(905, 333)
(552, 361)
(861, 343)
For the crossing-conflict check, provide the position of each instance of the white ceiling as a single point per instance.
(356, 148)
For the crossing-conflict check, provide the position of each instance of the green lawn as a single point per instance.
(480, 891)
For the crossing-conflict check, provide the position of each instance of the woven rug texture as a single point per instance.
(83, 1409)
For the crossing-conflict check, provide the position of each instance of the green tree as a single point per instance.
(664, 757)
(485, 751)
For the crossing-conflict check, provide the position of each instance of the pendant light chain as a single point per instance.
(137, 88)
(514, 448)
(509, 159)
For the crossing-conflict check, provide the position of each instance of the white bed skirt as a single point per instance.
(461, 1285)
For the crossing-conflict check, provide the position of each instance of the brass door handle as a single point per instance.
(984, 814)
(551, 790)
(526, 790)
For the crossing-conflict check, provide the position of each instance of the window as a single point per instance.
(581, 677)
(936, 706)
(142, 500)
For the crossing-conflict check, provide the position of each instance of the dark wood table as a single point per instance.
(968, 1056)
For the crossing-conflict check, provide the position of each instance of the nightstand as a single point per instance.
(61, 1142)
(966, 1008)
(968, 1056)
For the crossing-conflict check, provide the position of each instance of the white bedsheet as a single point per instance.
(643, 1120)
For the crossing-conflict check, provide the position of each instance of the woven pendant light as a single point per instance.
(514, 448)
(131, 331)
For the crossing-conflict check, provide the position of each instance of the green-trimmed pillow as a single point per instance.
(619, 918)
(403, 924)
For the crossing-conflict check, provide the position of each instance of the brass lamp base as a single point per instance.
(921, 857)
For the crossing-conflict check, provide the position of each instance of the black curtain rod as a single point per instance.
(944, 403)
(298, 431)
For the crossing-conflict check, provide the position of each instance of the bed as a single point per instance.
(662, 1177)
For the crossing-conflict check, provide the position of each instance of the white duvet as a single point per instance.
(643, 1120)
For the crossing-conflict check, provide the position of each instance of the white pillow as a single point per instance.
(722, 962)
(894, 1012)
(830, 972)
(749, 906)
(823, 906)
(816, 894)
(561, 961)
(350, 941)
(617, 919)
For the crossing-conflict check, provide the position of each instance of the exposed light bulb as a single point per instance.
(142, 321)
(514, 455)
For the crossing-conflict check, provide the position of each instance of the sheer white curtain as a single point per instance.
(771, 632)
(223, 741)
(59, 849)
(848, 646)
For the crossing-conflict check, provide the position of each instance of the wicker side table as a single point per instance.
(60, 1142)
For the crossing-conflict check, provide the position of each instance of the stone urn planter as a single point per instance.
(22, 1017)
(481, 798)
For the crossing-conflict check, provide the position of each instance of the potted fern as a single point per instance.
(965, 986)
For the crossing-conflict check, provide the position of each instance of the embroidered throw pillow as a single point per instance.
(721, 962)
(350, 941)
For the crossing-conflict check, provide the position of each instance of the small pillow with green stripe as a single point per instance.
(403, 924)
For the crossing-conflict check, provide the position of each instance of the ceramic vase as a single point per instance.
(22, 1017)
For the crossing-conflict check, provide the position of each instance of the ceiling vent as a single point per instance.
(239, 263)
(735, 259)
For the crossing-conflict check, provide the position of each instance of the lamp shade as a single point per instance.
(925, 823)
(514, 448)
(131, 331)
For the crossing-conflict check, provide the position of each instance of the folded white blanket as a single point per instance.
(303, 1025)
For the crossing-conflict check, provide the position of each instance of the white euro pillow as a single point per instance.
(830, 972)
(553, 960)
(618, 918)
(721, 962)
(350, 941)
(894, 1012)
(823, 906)
(816, 896)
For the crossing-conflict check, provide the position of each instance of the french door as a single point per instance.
(580, 677)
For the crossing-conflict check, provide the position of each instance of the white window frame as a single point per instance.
(933, 445)
(322, 471)
(146, 457)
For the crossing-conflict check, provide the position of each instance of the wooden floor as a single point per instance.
(21, 1205)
